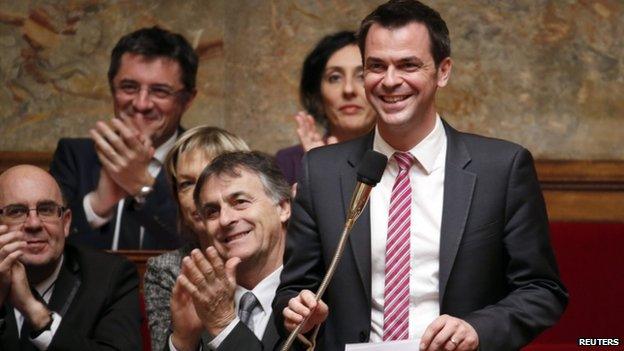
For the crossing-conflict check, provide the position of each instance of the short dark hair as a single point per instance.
(259, 163)
(156, 42)
(398, 13)
(313, 69)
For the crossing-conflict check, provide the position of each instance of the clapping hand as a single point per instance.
(211, 284)
(308, 134)
(125, 154)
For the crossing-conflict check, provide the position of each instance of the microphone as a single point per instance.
(368, 175)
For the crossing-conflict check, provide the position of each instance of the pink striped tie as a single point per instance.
(396, 292)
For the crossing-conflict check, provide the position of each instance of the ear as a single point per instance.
(444, 72)
(67, 218)
(283, 208)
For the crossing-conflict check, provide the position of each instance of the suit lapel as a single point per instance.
(66, 285)
(270, 336)
(8, 331)
(360, 237)
(458, 190)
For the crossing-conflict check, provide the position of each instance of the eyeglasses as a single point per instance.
(16, 214)
(161, 92)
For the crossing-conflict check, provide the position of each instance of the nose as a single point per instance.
(390, 79)
(142, 101)
(32, 222)
(348, 89)
(227, 216)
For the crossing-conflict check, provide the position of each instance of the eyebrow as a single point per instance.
(228, 197)
(238, 194)
(132, 81)
(185, 176)
(401, 60)
(333, 68)
(41, 202)
(413, 59)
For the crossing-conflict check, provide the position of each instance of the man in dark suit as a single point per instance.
(55, 296)
(453, 249)
(113, 181)
(226, 292)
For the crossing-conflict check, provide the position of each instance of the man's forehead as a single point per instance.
(28, 185)
(133, 66)
(413, 36)
(228, 184)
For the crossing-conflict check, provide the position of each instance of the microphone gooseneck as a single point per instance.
(368, 175)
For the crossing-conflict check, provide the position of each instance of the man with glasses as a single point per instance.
(52, 295)
(113, 181)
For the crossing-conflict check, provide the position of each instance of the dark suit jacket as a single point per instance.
(76, 168)
(97, 296)
(497, 268)
(242, 338)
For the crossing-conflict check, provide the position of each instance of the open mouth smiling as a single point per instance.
(234, 237)
(393, 99)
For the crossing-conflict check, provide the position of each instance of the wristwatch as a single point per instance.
(142, 195)
(35, 333)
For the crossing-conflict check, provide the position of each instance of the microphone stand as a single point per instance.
(358, 202)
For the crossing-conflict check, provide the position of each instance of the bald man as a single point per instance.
(55, 296)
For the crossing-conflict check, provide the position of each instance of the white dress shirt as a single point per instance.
(264, 292)
(427, 183)
(45, 289)
(153, 168)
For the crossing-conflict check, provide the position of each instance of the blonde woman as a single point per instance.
(193, 151)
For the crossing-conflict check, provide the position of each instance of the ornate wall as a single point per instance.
(545, 73)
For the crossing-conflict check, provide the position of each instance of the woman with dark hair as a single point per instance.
(193, 151)
(332, 92)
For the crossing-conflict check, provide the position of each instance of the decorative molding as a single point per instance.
(581, 175)
(36, 158)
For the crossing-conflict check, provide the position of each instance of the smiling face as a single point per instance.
(31, 186)
(401, 81)
(138, 95)
(243, 221)
(342, 91)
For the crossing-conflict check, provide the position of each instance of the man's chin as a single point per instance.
(35, 260)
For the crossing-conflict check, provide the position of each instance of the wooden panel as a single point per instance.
(583, 205)
(574, 190)
(583, 190)
(12, 158)
(581, 175)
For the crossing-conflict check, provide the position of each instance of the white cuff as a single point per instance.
(173, 348)
(93, 219)
(42, 342)
(218, 339)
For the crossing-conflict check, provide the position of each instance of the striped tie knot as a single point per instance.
(248, 303)
(405, 160)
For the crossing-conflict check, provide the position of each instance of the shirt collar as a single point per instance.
(264, 291)
(429, 152)
(162, 151)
